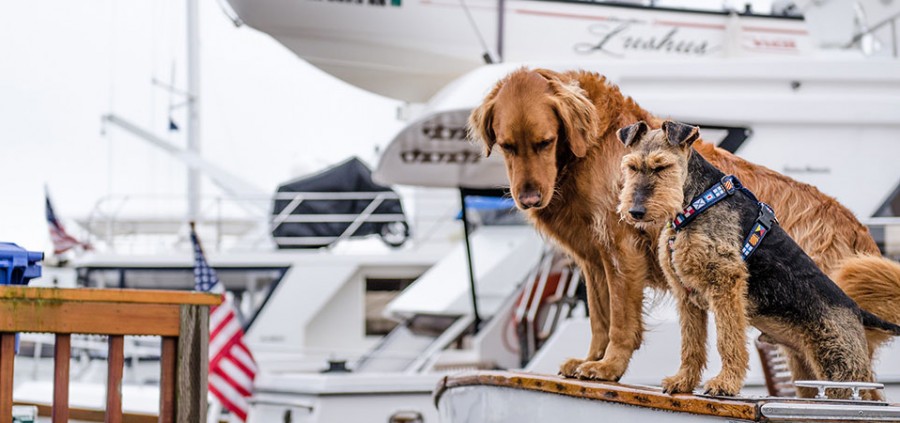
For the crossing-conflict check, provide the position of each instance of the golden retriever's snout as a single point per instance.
(529, 199)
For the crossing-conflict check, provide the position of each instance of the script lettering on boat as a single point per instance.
(619, 39)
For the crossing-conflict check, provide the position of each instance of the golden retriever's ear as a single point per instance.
(680, 134)
(481, 121)
(632, 133)
(577, 115)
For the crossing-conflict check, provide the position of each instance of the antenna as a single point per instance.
(193, 107)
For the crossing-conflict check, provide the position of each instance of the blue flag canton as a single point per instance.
(205, 278)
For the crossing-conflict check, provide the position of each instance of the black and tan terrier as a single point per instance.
(723, 251)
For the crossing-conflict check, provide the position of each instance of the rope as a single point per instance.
(488, 57)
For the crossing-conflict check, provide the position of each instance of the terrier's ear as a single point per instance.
(632, 133)
(680, 134)
(481, 121)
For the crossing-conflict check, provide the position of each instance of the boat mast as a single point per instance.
(193, 107)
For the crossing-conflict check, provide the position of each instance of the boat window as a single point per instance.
(885, 225)
(786, 10)
(729, 138)
(891, 206)
(250, 288)
(380, 292)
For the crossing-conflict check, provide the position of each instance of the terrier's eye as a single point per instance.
(542, 145)
(632, 168)
(508, 148)
(660, 168)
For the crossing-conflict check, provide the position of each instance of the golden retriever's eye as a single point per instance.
(508, 148)
(660, 168)
(542, 145)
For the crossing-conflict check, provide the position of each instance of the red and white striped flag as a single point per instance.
(61, 239)
(232, 368)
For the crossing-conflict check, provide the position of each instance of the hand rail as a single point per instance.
(180, 318)
(891, 20)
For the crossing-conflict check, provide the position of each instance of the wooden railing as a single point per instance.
(180, 318)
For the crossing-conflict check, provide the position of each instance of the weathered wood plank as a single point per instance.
(92, 415)
(115, 364)
(131, 296)
(193, 364)
(7, 355)
(167, 364)
(640, 396)
(62, 351)
(87, 317)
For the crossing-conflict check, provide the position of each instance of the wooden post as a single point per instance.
(115, 364)
(167, 364)
(193, 364)
(62, 351)
(7, 354)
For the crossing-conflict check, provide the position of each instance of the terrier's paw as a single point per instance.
(600, 370)
(722, 386)
(679, 383)
(570, 367)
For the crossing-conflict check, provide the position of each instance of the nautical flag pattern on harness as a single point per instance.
(705, 200)
(232, 368)
(753, 239)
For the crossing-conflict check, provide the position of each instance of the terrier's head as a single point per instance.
(655, 170)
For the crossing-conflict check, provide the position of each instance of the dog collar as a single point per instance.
(727, 187)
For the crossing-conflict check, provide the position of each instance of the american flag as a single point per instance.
(61, 239)
(231, 365)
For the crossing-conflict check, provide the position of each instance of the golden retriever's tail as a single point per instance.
(874, 283)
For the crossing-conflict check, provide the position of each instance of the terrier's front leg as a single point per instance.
(728, 301)
(693, 346)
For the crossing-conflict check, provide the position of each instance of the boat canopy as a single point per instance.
(337, 203)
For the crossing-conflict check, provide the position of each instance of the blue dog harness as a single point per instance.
(718, 192)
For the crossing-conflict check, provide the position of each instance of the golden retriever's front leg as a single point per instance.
(626, 298)
(598, 308)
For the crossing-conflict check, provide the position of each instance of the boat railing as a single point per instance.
(890, 23)
(135, 223)
(180, 318)
(886, 231)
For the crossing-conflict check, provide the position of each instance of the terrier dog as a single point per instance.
(725, 252)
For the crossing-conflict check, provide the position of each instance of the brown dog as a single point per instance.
(557, 132)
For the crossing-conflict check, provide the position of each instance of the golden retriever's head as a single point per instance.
(655, 170)
(540, 123)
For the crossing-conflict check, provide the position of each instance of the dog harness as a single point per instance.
(718, 192)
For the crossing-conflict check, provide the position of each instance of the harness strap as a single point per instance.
(727, 187)
(761, 227)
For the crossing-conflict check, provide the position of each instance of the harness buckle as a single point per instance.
(766, 215)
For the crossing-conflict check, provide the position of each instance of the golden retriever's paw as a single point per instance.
(679, 383)
(723, 386)
(600, 370)
(570, 367)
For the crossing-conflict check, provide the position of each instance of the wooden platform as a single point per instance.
(746, 409)
(642, 396)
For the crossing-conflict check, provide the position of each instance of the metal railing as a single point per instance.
(157, 222)
(295, 199)
(890, 22)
